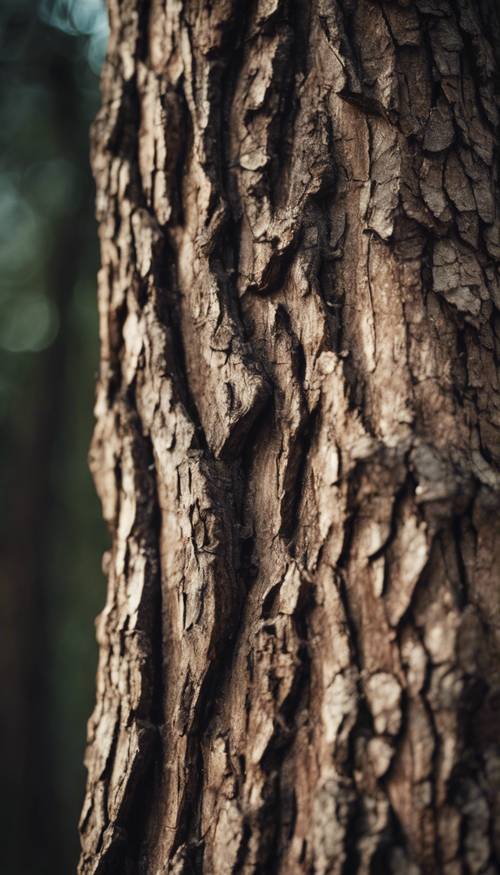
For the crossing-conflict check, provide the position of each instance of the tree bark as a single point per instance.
(297, 440)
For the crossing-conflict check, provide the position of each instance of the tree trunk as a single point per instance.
(297, 440)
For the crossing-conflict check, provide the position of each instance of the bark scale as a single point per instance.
(297, 440)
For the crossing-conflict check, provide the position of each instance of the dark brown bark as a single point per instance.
(297, 440)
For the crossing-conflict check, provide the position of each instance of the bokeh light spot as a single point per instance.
(30, 324)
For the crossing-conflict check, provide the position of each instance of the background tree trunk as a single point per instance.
(297, 440)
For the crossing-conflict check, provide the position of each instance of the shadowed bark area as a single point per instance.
(297, 440)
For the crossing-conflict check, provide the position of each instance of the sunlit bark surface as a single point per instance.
(297, 440)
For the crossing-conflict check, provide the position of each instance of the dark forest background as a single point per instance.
(51, 537)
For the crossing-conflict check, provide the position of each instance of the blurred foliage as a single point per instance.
(51, 537)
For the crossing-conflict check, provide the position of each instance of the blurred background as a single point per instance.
(51, 535)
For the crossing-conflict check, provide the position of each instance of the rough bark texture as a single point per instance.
(297, 440)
